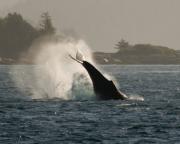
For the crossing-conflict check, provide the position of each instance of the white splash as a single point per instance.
(55, 74)
(136, 97)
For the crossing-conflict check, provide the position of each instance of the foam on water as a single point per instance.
(136, 97)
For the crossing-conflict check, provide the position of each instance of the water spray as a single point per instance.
(55, 75)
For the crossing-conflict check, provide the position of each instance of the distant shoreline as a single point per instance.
(141, 54)
(17, 36)
(137, 58)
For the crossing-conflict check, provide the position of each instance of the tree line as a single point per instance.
(124, 47)
(16, 34)
(138, 54)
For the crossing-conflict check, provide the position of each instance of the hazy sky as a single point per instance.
(102, 23)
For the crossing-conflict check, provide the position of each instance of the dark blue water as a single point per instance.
(154, 120)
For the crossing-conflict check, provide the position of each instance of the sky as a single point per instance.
(102, 23)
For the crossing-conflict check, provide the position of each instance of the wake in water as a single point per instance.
(56, 75)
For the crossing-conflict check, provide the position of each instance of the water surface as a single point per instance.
(154, 120)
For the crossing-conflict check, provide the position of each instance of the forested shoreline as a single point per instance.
(17, 35)
(139, 54)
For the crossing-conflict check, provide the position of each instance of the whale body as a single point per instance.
(104, 89)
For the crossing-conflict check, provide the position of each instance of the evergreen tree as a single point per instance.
(16, 35)
(122, 45)
(46, 27)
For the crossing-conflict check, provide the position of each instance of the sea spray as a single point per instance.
(54, 74)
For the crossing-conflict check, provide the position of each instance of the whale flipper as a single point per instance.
(104, 89)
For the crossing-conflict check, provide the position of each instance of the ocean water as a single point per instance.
(151, 116)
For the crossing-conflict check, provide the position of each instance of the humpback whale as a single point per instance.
(104, 89)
